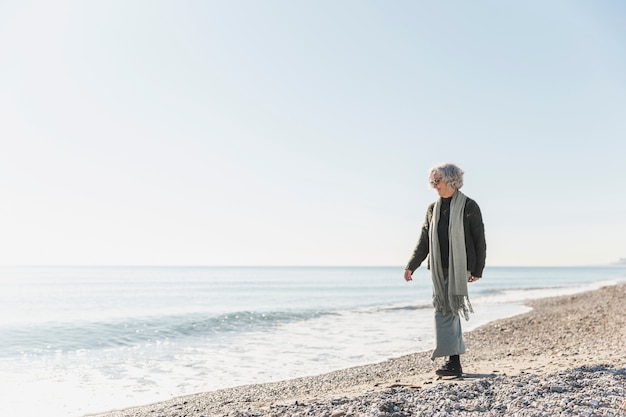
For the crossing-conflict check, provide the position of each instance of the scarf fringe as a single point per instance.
(461, 306)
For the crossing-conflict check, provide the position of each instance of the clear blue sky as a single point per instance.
(301, 132)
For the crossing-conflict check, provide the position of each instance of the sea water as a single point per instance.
(82, 340)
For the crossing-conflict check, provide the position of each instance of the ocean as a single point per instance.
(81, 340)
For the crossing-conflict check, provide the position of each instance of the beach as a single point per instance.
(564, 357)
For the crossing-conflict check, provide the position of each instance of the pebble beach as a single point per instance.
(565, 357)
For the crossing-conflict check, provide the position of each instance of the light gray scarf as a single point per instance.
(457, 300)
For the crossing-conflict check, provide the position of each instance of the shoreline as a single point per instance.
(558, 334)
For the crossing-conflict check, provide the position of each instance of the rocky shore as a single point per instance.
(566, 357)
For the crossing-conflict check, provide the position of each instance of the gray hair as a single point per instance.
(450, 173)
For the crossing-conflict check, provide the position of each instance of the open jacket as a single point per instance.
(475, 245)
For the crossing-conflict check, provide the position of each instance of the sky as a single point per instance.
(302, 132)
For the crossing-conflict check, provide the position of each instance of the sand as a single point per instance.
(582, 333)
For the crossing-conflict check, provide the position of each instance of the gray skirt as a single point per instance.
(448, 333)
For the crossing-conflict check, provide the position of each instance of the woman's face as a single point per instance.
(442, 187)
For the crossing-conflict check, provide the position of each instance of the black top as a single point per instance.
(442, 230)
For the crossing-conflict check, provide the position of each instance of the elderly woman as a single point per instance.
(454, 237)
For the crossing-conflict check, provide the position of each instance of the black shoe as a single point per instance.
(450, 369)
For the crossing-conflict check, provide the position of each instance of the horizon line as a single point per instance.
(617, 263)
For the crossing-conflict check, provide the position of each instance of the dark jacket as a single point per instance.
(475, 245)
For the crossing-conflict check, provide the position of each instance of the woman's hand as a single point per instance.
(407, 275)
(472, 278)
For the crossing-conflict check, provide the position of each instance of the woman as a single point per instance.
(454, 237)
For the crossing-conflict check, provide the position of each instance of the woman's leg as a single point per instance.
(449, 339)
(448, 335)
